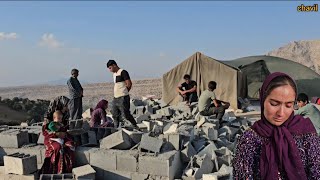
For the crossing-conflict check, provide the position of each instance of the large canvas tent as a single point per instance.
(202, 69)
(256, 68)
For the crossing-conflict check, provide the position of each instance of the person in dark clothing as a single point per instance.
(188, 90)
(121, 101)
(99, 115)
(59, 103)
(76, 94)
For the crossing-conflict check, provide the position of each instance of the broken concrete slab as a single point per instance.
(143, 117)
(211, 133)
(117, 140)
(134, 135)
(201, 121)
(84, 172)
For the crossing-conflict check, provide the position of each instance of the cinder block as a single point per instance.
(56, 177)
(167, 165)
(18, 177)
(155, 116)
(211, 133)
(127, 161)
(117, 175)
(149, 125)
(20, 163)
(152, 144)
(210, 176)
(134, 135)
(103, 159)
(75, 124)
(117, 140)
(143, 117)
(139, 110)
(138, 176)
(89, 139)
(205, 166)
(82, 155)
(13, 138)
(84, 172)
(201, 121)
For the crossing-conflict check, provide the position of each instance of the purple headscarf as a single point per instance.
(281, 152)
(101, 104)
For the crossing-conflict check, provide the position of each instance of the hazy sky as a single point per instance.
(43, 41)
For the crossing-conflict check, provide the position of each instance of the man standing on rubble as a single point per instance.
(121, 101)
(76, 94)
(206, 108)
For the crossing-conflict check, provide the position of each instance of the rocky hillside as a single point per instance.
(303, 52)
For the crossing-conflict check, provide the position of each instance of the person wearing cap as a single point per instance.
(76, 94)
(121, 101)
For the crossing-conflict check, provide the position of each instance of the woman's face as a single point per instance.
(278, 105)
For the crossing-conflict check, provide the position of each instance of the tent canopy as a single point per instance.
(256, 68)
(203, 69)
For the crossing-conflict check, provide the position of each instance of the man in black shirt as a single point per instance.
(188, 90)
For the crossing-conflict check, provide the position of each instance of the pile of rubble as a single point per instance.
(174, 142)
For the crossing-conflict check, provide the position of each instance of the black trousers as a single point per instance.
(75, 108)
(121, 110)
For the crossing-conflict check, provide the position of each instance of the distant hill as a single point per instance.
(303, 52)
(9, 116)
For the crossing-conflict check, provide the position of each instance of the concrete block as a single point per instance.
(224, 171)
(205, 166)
(224, 160)
(84, 172)
(56, 176)
(143, 117)
(211, 133)
(134, 135)
(188, 152)
(18, 177)
(75, 124)
(201, 121)
(117, 140)
(149, 125)
(156, 116)
(170, 128)
(165, 111)
(142, 127)
(167, 165)
(38, 151)
(13, 138)
(127, 161)
(40, 139)
(20, 163)
(89, 139)
(149, 143)
(149, 110)
(82, 155)
(138, 176)
(210, 176)
(103, 159)
(139, 110)
(209, 150)
(116, 175)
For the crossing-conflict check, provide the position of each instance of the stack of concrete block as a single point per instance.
(20, 163)
(13, 138)
(84, 172)
(56, 177)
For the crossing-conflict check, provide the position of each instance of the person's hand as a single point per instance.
(183, 92)
(61, 134)
(45, 121)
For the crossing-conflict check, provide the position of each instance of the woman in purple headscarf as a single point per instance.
(98, 115)
(280, 145)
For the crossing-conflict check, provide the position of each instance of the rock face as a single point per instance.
(303, 52)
